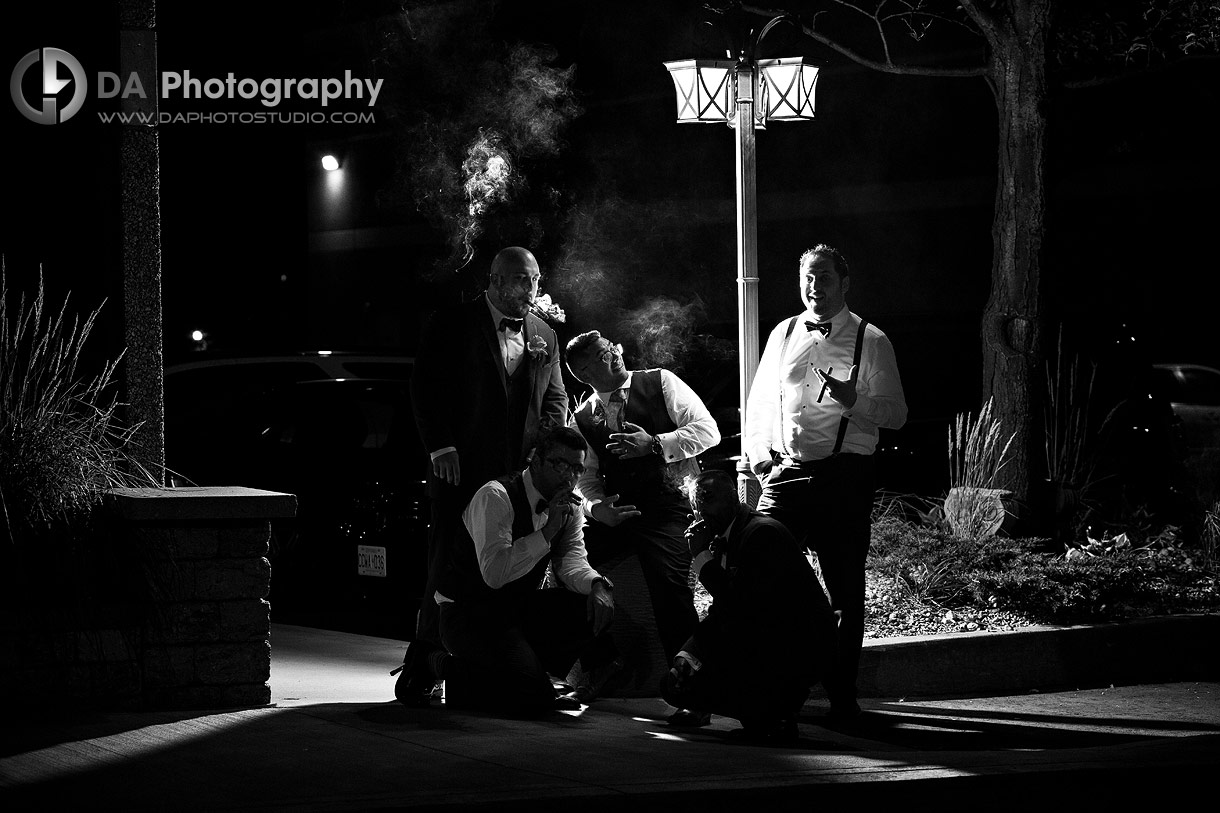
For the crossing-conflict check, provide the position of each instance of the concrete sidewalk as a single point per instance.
(335, 740)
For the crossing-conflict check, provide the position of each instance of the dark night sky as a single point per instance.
(896, 171)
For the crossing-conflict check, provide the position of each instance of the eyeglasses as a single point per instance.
(564, 467)
(605, 356)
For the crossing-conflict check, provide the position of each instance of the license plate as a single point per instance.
(370, 561)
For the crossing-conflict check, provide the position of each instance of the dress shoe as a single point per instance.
(774, 732)
(844, 711)
(688, 718)
(567, 702)
(415, 681)
(589, 685)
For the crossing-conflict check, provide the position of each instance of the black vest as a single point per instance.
(647, 480)
(463, 581)
(518, 406)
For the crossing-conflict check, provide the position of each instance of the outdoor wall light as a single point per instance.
(330, 163)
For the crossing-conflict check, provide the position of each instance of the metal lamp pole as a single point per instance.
(747, 265)
(722, 91)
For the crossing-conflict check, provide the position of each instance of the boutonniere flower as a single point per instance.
(544, 307)
(537, 347)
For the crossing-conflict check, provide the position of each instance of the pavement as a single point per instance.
(334, 739)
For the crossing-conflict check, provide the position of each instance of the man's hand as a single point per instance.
(600, 607)
(698, 537)
(681, 670)
(607, 513)
(448, 468)
(558, 509)
(842, 391)
(634, 442)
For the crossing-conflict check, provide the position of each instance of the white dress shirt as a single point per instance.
(805, 429)
(695, 431)
(512, 342)
(502, 559)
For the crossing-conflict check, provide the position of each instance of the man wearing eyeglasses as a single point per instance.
(645, 429)
(486, 377)
(502, 635)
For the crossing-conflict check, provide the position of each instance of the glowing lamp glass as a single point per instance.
(786, 88)
(704, 89)
(330, 163)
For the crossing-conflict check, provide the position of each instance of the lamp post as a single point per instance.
(745, 92)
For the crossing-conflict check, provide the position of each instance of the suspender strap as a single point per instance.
(855, 362)
(783, 351)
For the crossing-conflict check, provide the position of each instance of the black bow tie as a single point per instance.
(540, 506)
(822, 326)
(515, 324)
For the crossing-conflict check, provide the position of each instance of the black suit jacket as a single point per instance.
(768, 607)
(460, 394)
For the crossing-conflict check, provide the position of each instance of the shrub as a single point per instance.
(1157, 575)
(978, 452)
(61, 442)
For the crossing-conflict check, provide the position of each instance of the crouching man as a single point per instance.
(769, 634)
(504, 636)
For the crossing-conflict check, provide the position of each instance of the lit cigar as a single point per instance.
(825, 384)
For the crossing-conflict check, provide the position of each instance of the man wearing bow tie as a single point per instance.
(502, 635)
(826, 382)
(486, 377)
(645, 429)
(769, 634)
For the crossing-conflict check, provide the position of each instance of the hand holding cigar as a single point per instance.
(842, 391)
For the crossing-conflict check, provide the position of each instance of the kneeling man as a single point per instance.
(769, 634)
(504, 635)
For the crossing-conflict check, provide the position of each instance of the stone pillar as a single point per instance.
(207, 637)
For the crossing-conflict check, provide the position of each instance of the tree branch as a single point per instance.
(1135, 73)
(986, 19)
(885, 65)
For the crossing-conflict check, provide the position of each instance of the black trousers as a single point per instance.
(827, 505)
(504, 650)
(656, 536)
(445, 524)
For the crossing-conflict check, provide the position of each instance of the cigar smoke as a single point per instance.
(478, 126)
(617, 254)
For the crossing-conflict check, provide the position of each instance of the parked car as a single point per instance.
(1193, 393)
(337, 430)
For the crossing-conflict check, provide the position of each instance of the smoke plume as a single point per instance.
(479, 124)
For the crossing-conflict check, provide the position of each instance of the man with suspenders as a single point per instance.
(826, 382)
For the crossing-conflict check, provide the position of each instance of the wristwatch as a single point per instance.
(605, 582)
(656, 446)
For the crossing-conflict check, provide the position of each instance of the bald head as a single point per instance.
(513, 281)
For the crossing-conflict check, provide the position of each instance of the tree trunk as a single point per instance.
(1011, 327)
(141, 183)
